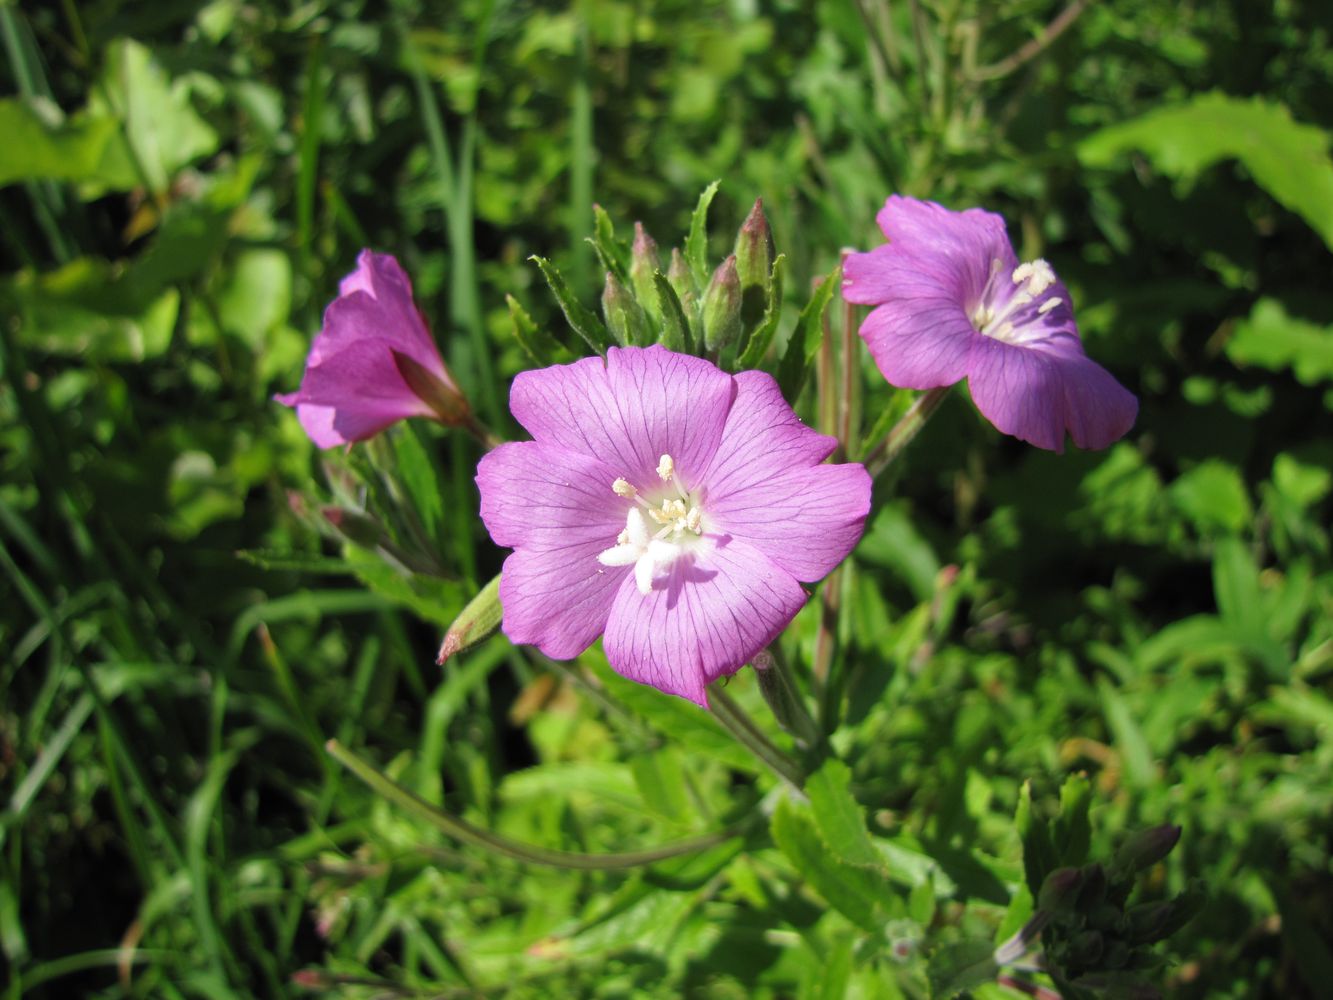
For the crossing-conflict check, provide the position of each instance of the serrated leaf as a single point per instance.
(757, 346)
(840, 818)
(539, 345)
(581, 320)
(696, 243)
(844, 886)
(1286, 158)
(960, 966)
(806, 338)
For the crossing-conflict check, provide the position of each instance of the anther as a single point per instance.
(623, 488)
(666, 468)
(1048, 305)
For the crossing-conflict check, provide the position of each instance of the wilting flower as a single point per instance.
(952, 301)
(668, 505)
(374, 362)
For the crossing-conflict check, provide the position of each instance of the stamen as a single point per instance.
(666, 468)
(623, 488)
(1037, 273)
(1048, 305)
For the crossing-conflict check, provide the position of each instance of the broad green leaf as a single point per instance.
(1213, 497)
(1286, 158)
(436, 600)
(1271, 339)
(163, 129)
(45, 146)
(419, 474)
(696, 243)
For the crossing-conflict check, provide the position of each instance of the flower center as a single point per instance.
(657, 532)
(999, 319)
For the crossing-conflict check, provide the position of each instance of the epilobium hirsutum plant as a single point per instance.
(672, 503)
(667, 504)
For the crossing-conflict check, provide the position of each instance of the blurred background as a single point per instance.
(185, 182)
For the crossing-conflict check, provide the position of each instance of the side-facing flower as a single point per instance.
(952, 301)
(373, 362)
(670, 506)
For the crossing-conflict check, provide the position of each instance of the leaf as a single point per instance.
(840, 818)
(163, 129)
(757, 346)
(613, 253)
(960, 966)
(1136, 763)
(46, 147)
(539, 345)
(696, 243)
(1287, 159)
(807, 337)
(1073, 831)
(1271, 339)
(844, 886)
(420, 477)
(581, 320)
(675, 327)
(1212, 496)
(1039, 857)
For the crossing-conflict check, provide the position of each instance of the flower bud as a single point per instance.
(474, 623)
(1093, 893)
(1059, 892)
(754, 263)
(1085, 949)
(1147, 847)
(722, 306)
(643, 264)
(783, 699)
(625, 318)
(682, 281)
(754, 249)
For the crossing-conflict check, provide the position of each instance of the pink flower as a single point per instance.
(952, 301)
(669, 506)
(374, 362)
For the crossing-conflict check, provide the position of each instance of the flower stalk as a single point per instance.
(901, 434)
(742, 727)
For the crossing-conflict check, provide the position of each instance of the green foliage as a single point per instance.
(1034, 655)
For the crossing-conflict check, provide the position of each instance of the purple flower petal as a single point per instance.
(1036, 395)
(763, 437)
(952, 301)
(806, 520)
(765, 487)
(354, 384)
(713, 613)
(558, 599)
(642, 404)
(548, 498)
(353, 394)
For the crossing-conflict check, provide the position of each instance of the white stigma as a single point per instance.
(678, 521)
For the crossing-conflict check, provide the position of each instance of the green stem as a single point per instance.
(459, 829)
(736, 722)
(901, 434)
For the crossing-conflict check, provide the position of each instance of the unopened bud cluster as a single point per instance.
(1093, 941)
